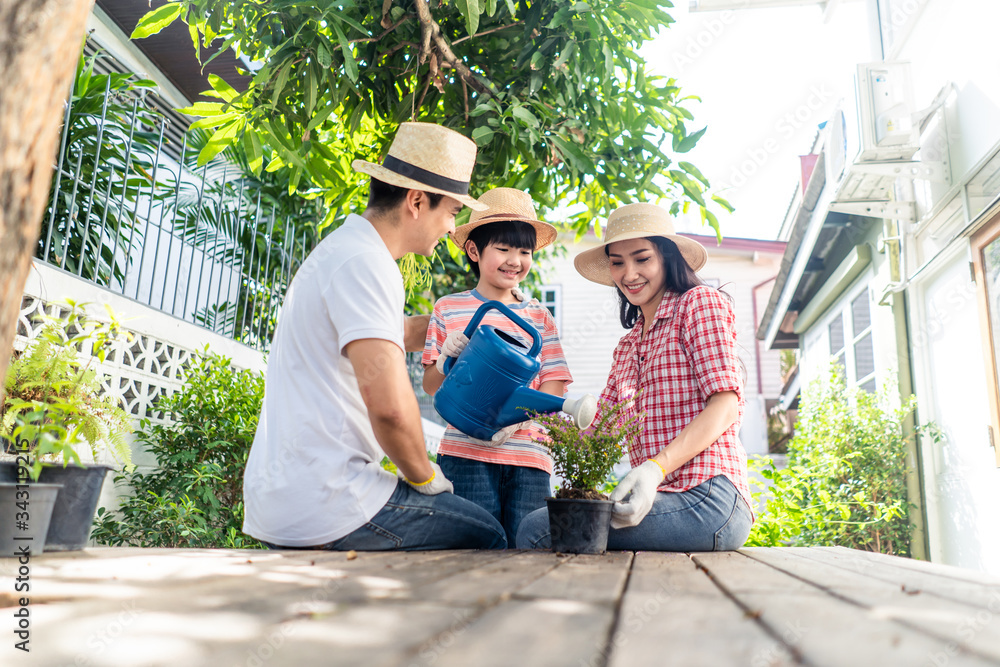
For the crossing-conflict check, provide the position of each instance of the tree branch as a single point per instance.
(486, 32)
(388, 29)
(432, 31)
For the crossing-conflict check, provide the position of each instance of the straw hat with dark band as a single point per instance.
(636, 221)
(506, 204)
(428, 157)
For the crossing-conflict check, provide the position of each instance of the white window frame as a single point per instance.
(555, 304)
(820, 341)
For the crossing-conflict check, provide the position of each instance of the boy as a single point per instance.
(508, 476)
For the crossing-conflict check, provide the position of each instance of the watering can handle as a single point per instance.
(536, 338)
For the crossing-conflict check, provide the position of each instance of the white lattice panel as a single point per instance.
(136, 371)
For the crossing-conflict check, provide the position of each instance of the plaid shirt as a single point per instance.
(688, 354)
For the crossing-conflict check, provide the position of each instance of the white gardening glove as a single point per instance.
(438, 483)
(641, 481)
(452, 347)
(502, 435)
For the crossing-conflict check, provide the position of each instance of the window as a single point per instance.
(551, 298)
(986, 266)
(851, 346)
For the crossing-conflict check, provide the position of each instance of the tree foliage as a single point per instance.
(554, 93)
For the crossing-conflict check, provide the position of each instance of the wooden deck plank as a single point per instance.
(585, 578)
(973, 576)
(486, 583)
(824, 629)
(113, 607)
(937, 581)
(966, 626)
(524, 632)
(673, 614)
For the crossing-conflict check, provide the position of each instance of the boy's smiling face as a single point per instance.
(501, 267)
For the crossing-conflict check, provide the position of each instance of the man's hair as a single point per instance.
(513, 233)
(384, 197)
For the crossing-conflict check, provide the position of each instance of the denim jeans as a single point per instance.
(411, 521)
(507, 492)
(710, 517)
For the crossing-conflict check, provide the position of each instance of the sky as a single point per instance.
(766, 78)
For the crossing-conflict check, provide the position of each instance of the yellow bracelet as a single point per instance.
(433, 475)
(661, 467)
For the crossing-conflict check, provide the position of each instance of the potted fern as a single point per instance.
(580, 512)
(52, 409)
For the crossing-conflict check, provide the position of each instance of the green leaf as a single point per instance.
(254, 151)
(350, 64)
(224, 137)
(214, 121)
(574, 155)
(524, 115)
(203, 109)
(471, 10)
(323, 54)
(688, 142)
(156, 20)
(482, 135)
(219, 85)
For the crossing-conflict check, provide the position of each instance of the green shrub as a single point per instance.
(195, 497)
(845, 484)
(52, 405)
(585, 458)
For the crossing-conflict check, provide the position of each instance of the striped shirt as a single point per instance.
(453, 313)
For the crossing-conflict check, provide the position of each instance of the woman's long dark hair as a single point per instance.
(680, 277)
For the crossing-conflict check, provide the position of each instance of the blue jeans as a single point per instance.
(411, 521)
(710, 517)
(507, 492)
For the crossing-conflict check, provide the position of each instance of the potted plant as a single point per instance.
(580, 513)
(52, 407)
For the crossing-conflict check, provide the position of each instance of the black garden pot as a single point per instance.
(579, 526)
(25, 513)
(75, 505)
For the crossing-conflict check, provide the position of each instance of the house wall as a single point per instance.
(952, 42)
(591, 327)
(960, 473)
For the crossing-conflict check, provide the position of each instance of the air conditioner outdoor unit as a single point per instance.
(885, 108)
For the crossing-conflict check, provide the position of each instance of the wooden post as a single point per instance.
(40, 42)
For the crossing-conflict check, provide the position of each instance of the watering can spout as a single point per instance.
(524, 401)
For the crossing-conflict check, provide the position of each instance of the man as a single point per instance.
(338, 393)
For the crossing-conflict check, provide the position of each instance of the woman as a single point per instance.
(678, 367)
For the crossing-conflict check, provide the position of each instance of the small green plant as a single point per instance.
(195, 496)
(585, 457)
(845, 483)
(53, 404)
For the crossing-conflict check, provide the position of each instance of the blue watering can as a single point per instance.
(486, 387)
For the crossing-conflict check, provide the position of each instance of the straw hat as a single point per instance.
(636, 221)
(506, 204)
(428, 157)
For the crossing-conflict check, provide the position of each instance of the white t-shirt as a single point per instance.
(314, 474)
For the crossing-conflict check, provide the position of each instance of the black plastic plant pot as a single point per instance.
(25, 512)
(579, 526)
(74, 510)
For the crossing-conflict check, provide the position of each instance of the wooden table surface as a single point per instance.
(755, 607)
